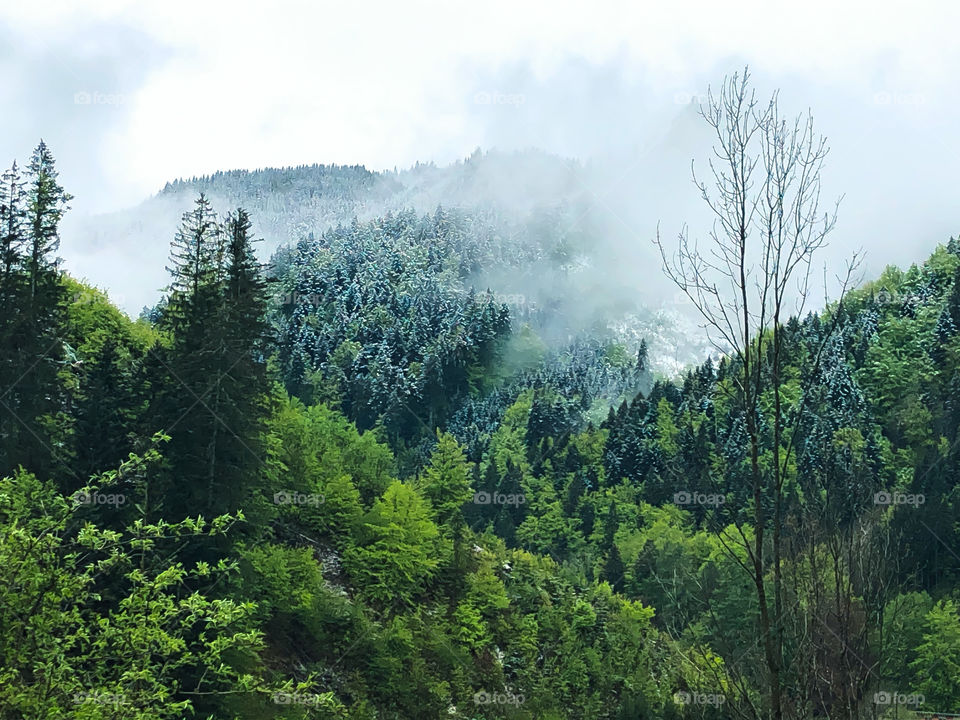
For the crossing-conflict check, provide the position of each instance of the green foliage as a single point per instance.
(397, 549)
(358, 580)
(446, 482)
(67, 652)
(318, 445)
(937, 664)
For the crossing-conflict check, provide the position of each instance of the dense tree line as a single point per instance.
(348, 486)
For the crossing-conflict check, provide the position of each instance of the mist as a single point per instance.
(130, 99)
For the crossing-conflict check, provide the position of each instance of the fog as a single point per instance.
(130, 97)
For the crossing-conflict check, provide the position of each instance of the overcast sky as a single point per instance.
(132, 94)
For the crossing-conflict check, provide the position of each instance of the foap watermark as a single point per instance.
(95, 497)
(891, 697)
(485, 498)
(483, 697)
(898, 498)
(684, 697)
(285, 698)
(86, 297)
(509, 299)
(886, 97)
(888, 297)
(99, 698)
(688, 98)
(685, 497)
(292, 497)
(486, 97)
(85, 97)
(296, 298)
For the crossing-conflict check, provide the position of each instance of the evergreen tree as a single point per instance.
(508, 517)
(949, 321)
(588, 517)
(242, 392)
(613, 569)
(12, 241)
(105, 413)
(12, 254)
(478, 514)
(33, 427)
(610, 525)
(397, 548)
(46, 204)
(213, 397)
(575, 490)
(642, 356)
(195, 267)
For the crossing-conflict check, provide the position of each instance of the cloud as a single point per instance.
(183, 88)
(75, 86)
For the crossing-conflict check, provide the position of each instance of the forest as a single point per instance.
(347, 483)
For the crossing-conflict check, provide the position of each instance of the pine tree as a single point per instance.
(610, 525)
(642, 358)
(195, 263)
(12, 252)
(246, 290)
(33, 298)
(106, 412)
(613, 569)
(949, 321)
(12, 240)
(46, 205)
(241, 394)
(213, 400)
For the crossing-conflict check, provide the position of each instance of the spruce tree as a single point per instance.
(46, 205)
(12, 252)
(243, 388)
(194, 292)
(213, 397)
(106, 411)
(32, 429)
(610, 525)
(12, 240)
(613, 569)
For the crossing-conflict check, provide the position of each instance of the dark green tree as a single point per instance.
(34, 427)
(106, 411)
(614, 569)
(212, 397)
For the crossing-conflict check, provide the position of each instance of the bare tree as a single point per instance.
(764, 193)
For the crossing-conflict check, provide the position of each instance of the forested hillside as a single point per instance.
(353, 483)
(533, 228)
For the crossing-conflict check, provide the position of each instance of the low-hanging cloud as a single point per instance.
(129, 100)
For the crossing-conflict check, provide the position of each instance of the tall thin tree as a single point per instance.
(764, 194)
